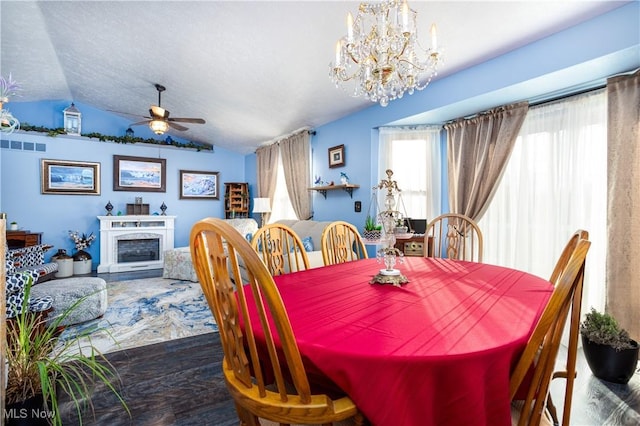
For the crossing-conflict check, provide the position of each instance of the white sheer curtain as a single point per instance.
(414, 155)
(555, 183)
(281, 207)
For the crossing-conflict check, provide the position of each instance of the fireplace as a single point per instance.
(138, 250)
(134, 242)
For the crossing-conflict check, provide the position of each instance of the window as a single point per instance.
(414, 157)
(281, 207)
(554, 184)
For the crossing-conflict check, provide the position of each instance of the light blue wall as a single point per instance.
(579, 57)
(55, 215)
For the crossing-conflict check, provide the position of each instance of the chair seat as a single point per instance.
(516, 410)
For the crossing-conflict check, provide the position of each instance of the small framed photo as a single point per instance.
(336, 156)
(69, 177)
(198, 185)
(139, 174)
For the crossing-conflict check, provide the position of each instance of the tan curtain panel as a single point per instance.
(266, 168)
(295, 153)
(478, 149)
(623, 189)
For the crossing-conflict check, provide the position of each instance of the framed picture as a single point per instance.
(198, 185)
(336, 156)
(139, 174)
(69, 177)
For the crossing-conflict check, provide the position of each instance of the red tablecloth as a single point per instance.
(437, 351)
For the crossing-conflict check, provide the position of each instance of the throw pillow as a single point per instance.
(307, 242)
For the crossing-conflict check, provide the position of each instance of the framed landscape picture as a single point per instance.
(139, 174)
(336, 156)
(69, 177)
(199, 185)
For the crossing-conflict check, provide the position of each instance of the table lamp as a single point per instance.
(262, 206)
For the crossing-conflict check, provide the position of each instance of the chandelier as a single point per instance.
(381, 58)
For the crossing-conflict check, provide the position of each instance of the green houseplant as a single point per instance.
(611, 354)
(372, 231)
(40, 366)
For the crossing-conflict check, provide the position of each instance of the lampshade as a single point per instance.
(261, 205)
(158, 126)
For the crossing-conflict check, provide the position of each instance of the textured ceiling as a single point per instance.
(254, 71)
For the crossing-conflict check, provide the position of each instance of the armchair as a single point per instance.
(30, 259)
(17, 283)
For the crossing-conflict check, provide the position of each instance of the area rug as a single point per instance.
(142, 312)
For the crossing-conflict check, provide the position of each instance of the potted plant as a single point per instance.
(8, 87)
(40, 366)
(13, 226)
(400, 227)
(611, 354)
(372, 231)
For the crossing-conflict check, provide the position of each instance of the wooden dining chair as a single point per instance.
(287, 398)
(341, 242)
(280, 248)
(530, 379)
(569, 373)
(454, 236)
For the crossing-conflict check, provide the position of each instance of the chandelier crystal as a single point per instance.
(380, 57)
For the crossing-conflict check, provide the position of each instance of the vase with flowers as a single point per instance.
(81, 258)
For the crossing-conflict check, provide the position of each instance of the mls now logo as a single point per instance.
(28, 413)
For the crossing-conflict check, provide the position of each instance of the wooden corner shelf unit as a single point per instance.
(236, 199)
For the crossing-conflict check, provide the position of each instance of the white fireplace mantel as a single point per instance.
(131, 227)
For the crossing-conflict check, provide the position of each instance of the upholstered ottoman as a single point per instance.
(178, 266)
(67, 291)
(177, 262)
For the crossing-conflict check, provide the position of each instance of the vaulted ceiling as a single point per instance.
(253, 70)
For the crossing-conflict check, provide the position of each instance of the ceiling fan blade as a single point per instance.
(177, 126)
(157, 111)
(128, 113)
(188, 120)
(141, 122)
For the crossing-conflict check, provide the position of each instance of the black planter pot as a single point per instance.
(27, 413)
(608, 364)
(81, 255)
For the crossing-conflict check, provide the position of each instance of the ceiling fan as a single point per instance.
(159, 120)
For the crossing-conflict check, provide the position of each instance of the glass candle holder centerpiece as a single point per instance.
(389, 256)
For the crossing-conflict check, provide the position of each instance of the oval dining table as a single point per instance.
(436, 351)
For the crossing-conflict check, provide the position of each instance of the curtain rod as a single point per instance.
(589, 87)
(566, 95)
(280, 138)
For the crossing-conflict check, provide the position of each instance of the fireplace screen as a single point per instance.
(138, 250)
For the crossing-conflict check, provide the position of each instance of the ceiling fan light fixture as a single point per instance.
(159, 127)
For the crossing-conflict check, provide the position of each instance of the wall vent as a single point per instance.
(23, 146)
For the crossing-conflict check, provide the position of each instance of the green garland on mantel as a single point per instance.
(117, 139)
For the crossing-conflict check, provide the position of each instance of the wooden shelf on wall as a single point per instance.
(349, 187)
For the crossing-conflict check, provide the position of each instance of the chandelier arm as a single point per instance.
(346, 77)
(404, 47)
(412, 64)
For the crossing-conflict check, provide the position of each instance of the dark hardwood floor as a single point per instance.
(172, 383)
(179, 382)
